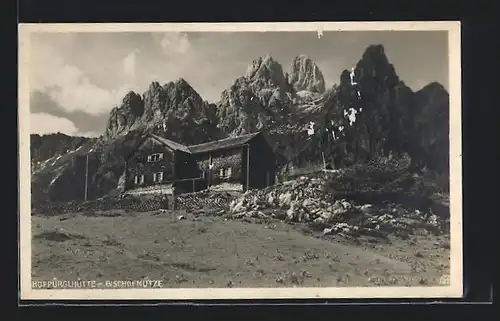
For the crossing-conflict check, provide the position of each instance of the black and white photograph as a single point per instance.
(240, 160)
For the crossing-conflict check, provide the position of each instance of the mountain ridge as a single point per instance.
(389, 116)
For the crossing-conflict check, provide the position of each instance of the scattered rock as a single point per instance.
(367, 208)
(180, 278)
(303, 200)
(306, 274)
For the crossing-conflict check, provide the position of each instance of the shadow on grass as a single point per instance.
(54, 236)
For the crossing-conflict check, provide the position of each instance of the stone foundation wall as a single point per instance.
(149, 203)
(137, 204)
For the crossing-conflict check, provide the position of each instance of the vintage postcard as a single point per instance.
(240, 160)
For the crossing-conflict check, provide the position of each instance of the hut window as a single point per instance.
(155, 157)
(158, 177)
(225, 172)
(139, 179)
(210, 162)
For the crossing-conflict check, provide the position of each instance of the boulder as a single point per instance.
(367, 209)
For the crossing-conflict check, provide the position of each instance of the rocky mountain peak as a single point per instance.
(180, 90)
(375, 51)
(133, 102)
(375, 65)
(155, 85)
(388, 117)
(434, 87)
(181, 82)
(433, 96)
(182, 85)
(304, 74)
(266, 72)
(158, 105)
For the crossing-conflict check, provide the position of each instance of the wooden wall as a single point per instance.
(221, 160)
(177, 165)
(138, 164)
(262, 163)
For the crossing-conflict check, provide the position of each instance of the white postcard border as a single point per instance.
(455, 289)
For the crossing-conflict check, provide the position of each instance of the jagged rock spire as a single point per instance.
(304, 74)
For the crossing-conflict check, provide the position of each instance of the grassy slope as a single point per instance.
(212, 252)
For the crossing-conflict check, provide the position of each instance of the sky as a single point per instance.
(77, 78)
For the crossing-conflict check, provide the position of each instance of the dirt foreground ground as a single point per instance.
(185, 250)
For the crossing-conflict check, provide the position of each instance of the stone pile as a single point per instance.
(301, 200)
(304, 201)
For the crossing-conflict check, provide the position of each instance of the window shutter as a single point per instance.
(160, 156)
(136, 179)
(149, 158)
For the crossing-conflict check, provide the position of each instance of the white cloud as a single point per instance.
(67, 84)
(173, 42)
(41, 123)
(88, 98)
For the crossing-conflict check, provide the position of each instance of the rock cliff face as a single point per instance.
(163, 106)
(54, 166)
(305, 75)
(378, 105)
(372, 114)
(126, 116)
(280, 104)
(262, 99)
(44, 147)
(265, 72)
(388, 116)
(430, 128)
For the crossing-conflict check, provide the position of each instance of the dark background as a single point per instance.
(479, 90)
